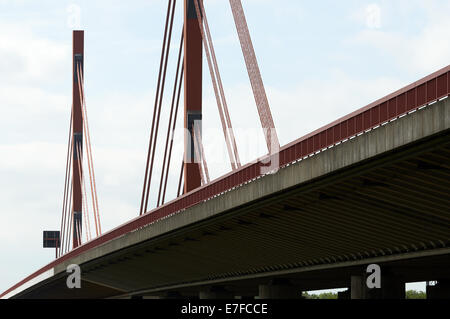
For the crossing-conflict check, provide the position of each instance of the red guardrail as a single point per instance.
(427, 90)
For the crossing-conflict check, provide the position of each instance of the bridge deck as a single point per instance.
(382, 195)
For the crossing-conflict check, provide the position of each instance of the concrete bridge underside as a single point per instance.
(381, 197)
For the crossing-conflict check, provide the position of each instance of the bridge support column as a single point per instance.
(439, 291)
(279, 289)
(344, 294)
(171, 295)
(392, 287)
(216, 292)
(358, 287)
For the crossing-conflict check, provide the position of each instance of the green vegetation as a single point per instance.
(413, 294)
(324, 295)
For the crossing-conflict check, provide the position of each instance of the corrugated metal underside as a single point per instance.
(394, 204)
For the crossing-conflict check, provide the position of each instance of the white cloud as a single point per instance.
(36, 156)
(24, 101)
(309, 105)
(424, 51)
(27, 59)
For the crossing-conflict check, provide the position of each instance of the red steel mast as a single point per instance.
(77, 138)
(192, 93)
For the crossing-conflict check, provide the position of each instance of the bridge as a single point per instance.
(372, 187)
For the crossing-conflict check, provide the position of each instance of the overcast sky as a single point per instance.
(319, 60)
